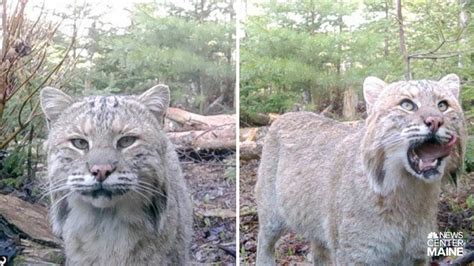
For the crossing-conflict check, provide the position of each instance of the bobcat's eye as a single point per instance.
(443, 106)
(126, 141)
(81, 144)
(408, 105)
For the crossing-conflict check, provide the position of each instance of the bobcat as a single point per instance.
(367, 195)
(118, 194)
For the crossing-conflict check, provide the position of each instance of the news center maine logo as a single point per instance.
(445, 244)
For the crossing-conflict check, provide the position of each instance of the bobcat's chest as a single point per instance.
(100, 239)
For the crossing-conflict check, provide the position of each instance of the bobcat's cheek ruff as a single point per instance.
(425, 156)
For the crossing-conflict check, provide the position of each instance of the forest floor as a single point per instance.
(456, 214)
(212, 187)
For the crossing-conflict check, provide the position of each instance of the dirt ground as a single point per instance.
(456, 214)
(212, 186)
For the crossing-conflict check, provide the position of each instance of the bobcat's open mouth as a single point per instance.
(425, 156)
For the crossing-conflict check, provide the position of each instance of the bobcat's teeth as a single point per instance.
(422, 165)
(413, 157)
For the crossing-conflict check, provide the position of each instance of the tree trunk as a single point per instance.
(349, 104)
(3, 86)
(401, 33)
(385, 44)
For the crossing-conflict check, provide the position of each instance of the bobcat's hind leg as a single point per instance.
(321, 254)
(271, 224)
(270, 229)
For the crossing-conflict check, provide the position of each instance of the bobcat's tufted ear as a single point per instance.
(54, 102)
(372, 88)
(451, 82)
(157, 99)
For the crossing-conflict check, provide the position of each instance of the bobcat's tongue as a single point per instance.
(429, 153)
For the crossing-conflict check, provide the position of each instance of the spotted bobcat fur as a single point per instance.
(366, 195)
(118, 194)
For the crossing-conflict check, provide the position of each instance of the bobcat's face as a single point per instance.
(103, 150)
(416, 126)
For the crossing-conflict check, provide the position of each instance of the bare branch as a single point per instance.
(37, 20)
(32, 75)
(56, 68)
(4, 28)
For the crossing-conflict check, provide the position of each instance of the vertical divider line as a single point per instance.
(238, 7)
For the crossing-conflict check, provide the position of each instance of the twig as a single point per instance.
(56, 68)
(230, 251)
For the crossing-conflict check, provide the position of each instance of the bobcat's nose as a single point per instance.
(102, 171)
(434, 123)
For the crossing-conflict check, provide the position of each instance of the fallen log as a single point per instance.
(222, 137)
(251, 142)
(37, 254)
(257, 119)
(253, 133)
(29, 219)
(250, 150)
(199, 122)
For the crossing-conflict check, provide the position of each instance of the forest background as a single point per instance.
(314, 55)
